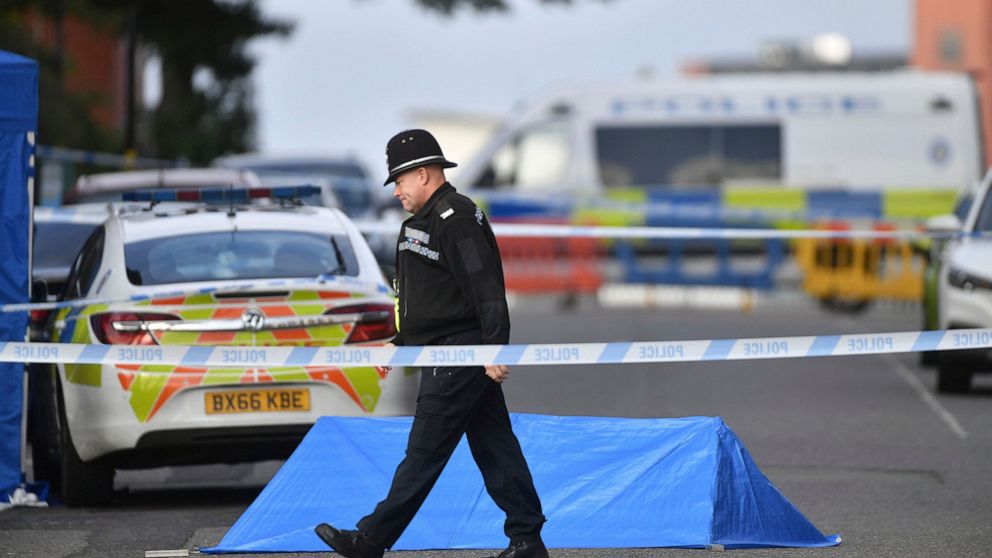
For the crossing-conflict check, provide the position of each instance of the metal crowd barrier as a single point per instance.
(860, 269)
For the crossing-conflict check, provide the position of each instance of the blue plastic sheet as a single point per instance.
(604, 482)
(18, 116)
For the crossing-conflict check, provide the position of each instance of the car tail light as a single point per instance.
(39, 317)
(126, 328)
(374, 322)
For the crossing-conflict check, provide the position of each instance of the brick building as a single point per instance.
(957, 35)
(93, 64)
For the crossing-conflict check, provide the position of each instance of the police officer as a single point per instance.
(451, 292)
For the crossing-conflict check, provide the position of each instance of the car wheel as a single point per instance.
(43, 426)
(951, 376)
(84, 483)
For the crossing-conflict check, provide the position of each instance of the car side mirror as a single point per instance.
(944, 223)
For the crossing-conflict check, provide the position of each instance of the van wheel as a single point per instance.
(951, 377)
(84, 483)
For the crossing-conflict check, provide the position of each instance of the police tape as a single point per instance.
(475, 355)
(689, 233)
(705, 208)
(528, 231)
(105, 159)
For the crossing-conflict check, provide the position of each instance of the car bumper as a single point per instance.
(104, 421)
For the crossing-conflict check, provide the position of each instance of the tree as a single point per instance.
(197, 119)
(196, 38)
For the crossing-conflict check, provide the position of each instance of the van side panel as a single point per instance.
(856, 131)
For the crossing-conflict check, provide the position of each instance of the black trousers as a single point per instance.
(453, 401)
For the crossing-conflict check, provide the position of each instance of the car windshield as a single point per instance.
(984, 222)
(56, 244)
(238, 255)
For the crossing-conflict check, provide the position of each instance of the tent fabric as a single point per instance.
(18, 118)
(604, 482)
(18, 93)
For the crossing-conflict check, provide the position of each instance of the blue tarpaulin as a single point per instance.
(18, 120)
(604, 482)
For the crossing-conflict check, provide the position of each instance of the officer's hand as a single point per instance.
(497, 372)
(384, 370)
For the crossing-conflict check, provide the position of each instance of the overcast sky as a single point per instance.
(347, 77)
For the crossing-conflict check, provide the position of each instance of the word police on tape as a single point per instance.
(474, 355)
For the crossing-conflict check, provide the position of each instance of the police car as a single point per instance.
(964, 289)
(232, 274)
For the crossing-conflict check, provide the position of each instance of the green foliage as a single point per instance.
(196, 121)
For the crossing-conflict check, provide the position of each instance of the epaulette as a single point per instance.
(444, 209)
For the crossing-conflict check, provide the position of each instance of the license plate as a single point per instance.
(256, 401)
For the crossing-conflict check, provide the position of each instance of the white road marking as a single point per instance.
(925, 394)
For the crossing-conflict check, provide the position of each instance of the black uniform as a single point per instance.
(450, 283)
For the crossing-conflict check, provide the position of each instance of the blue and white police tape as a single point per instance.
(686, 233)
(707, 207)
(68, 155)
(472, 355)
(527, 231)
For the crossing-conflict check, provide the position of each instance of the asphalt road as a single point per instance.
(861, 445)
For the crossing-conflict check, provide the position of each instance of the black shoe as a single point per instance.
(533, 549)
(350, 544)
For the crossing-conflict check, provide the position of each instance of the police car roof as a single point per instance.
(154, 224)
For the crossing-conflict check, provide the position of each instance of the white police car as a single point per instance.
(964, 290)
(287, 274)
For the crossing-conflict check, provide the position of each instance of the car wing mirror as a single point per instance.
(944, 223)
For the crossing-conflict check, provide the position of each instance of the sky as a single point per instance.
(348, 76)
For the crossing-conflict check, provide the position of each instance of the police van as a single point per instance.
(887, 143)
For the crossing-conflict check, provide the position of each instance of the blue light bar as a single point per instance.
(220, 194)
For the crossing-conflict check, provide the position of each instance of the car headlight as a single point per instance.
(967, 281)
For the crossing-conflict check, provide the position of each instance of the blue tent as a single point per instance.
(18, 122)
(604, 482)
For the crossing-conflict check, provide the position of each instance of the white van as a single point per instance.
(856, 132)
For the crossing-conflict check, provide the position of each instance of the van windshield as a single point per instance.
(536, 158)
(688, 155)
